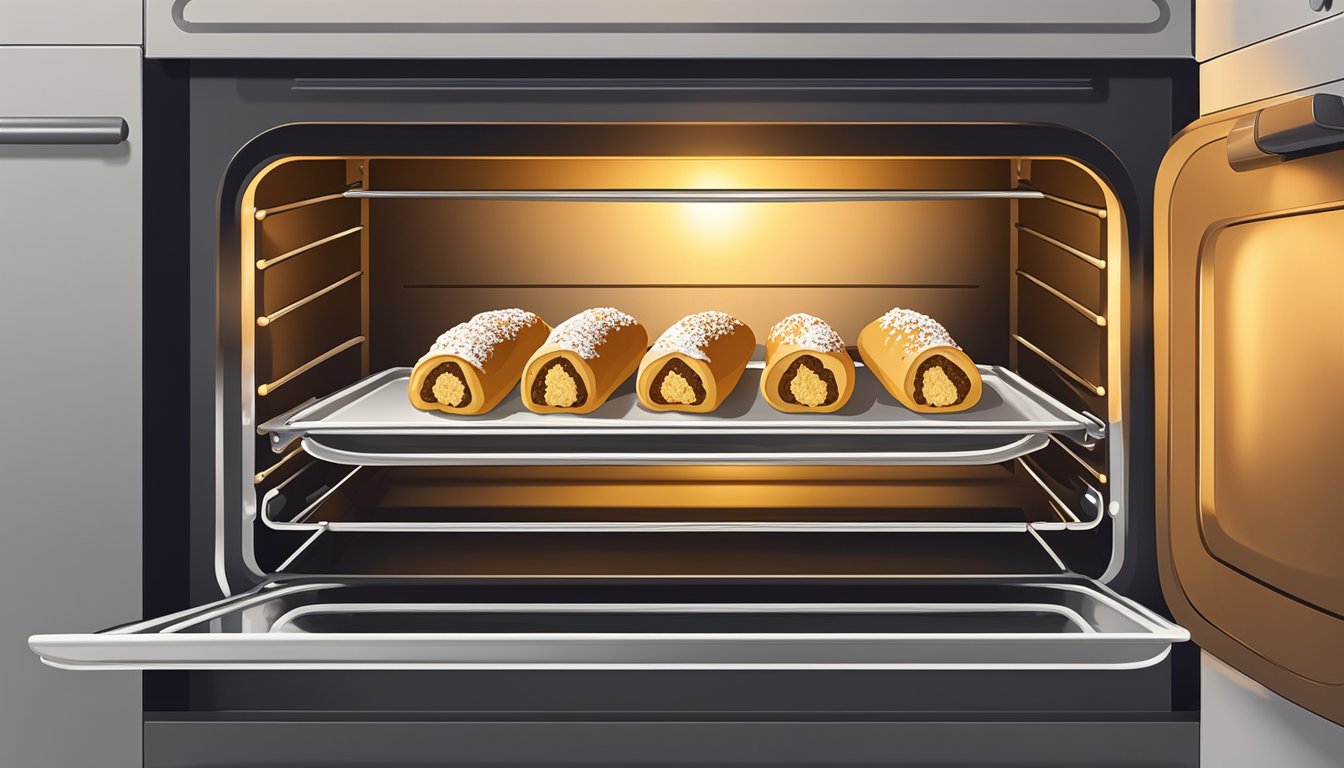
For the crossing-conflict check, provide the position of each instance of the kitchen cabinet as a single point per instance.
(71, 22)
(70, 462)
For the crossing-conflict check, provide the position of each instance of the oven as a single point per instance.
(338, 578)
(342, 221)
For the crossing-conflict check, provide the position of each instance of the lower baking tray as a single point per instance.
(374, 423)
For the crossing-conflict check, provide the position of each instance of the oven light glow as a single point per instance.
(715, 219)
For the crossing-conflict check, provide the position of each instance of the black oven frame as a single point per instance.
(210, 124)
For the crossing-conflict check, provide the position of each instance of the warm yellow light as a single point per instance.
(715, 219)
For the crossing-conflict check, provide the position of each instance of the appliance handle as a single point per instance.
(1298, 128)
(63, 130)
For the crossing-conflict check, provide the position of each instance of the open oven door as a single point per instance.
(1046, 622)
(1248, 284)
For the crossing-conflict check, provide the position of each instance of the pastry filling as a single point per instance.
(446, 385)
(808, 382)
(677, 384)
(941, 383)
(675, 389)
(558, 385)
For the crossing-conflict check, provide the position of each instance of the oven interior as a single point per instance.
(351, 265)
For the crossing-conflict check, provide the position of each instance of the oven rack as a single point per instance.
(323, 496)
(372, 423)
(689, 195)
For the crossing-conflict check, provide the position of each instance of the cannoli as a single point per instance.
(695, 364)
(474, 364)
(807, 369)
(583, 361)
(918, 362)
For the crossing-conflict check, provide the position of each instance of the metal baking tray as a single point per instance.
(373, 423)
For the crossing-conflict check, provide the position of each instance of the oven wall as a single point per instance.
(1020, 282)
(436, 262)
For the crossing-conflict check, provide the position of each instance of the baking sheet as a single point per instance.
(373, 422)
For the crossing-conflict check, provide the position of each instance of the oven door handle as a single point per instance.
(1298, 128)
(63, 130)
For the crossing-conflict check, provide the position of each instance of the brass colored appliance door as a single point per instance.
(1249, 360)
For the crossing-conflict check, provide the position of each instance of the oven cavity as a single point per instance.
(350, 266)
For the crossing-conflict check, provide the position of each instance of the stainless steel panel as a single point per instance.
(1242, 724)
(71, 22)
(1223, 26)
(1304, 60)
(70, 299)
(613, 29)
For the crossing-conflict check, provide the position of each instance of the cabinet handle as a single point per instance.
(63, 130)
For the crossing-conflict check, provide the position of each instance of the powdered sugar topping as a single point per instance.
(921, 331)
(690, 335)
(475, 340)
(583, 333)
(806, 331)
